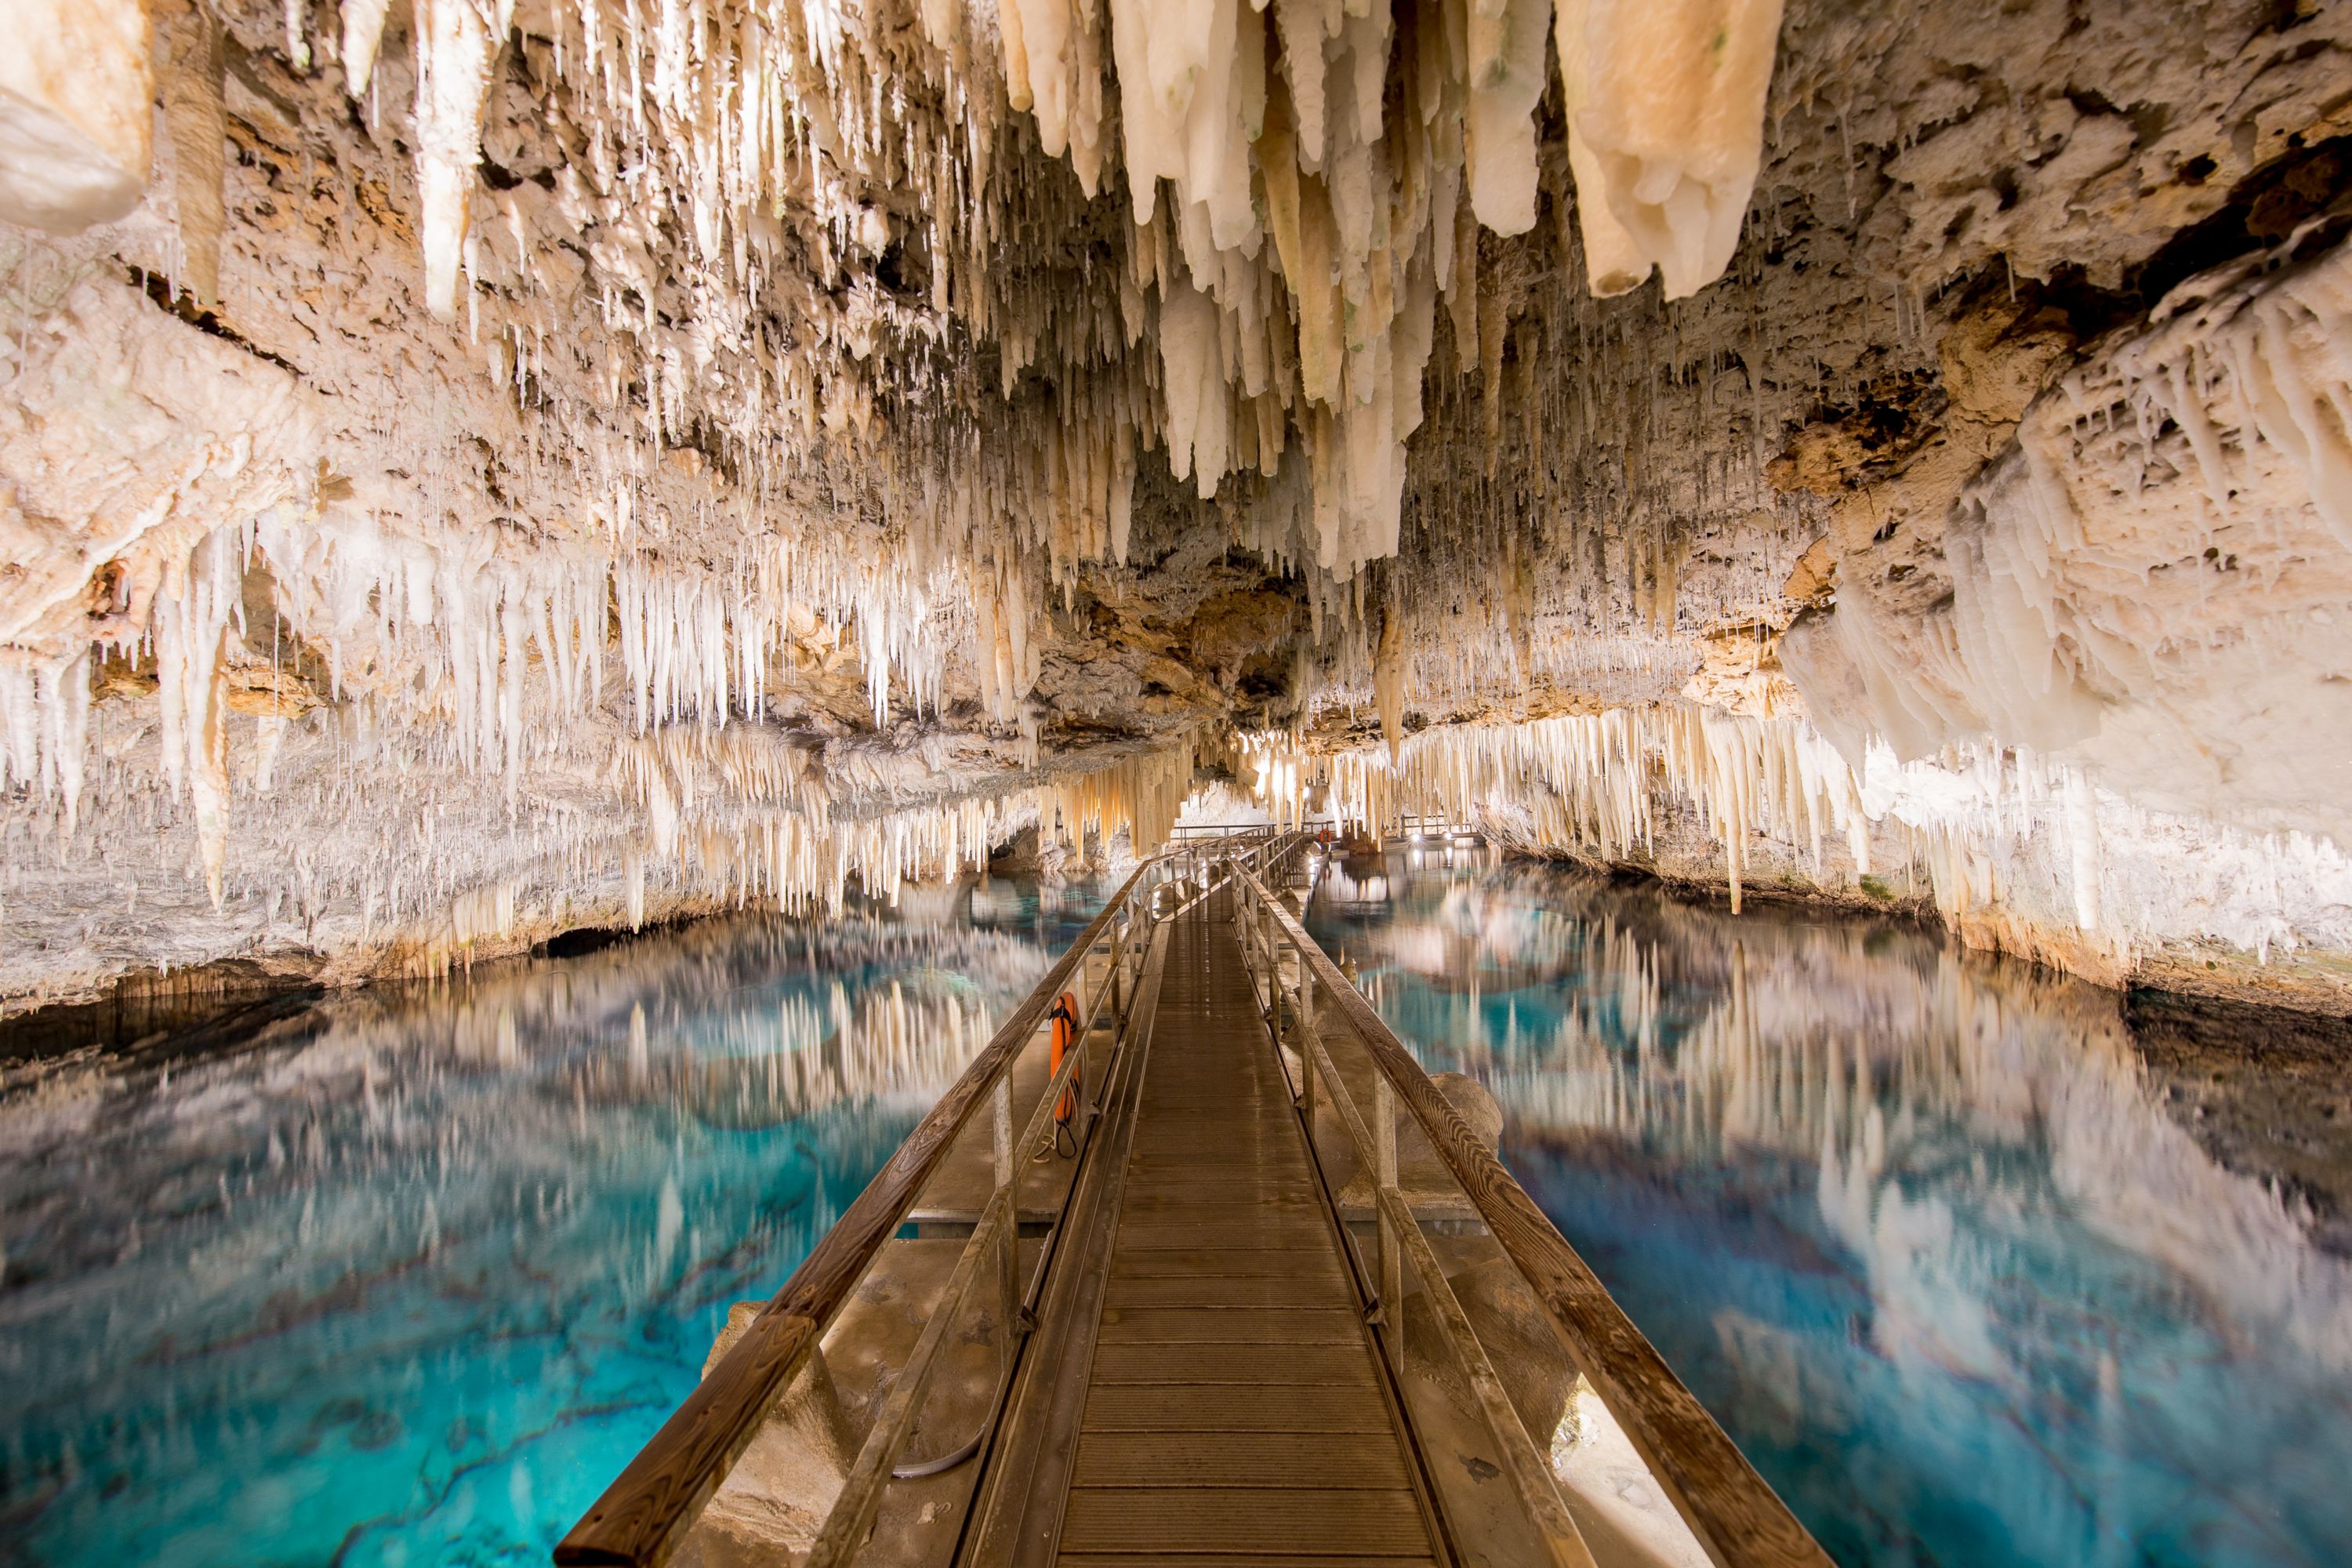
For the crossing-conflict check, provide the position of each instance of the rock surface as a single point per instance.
(478, 470)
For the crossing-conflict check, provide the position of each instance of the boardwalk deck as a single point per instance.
(1166, 1348)
(1233, 1403)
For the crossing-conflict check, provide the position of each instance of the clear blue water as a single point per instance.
(407, 1279)
(1976, 1264)
(1976, 1268)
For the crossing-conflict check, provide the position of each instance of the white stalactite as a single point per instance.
(455, 45)
(1667, 99)
(76, 125)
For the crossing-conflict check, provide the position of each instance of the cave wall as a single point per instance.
(476, 469)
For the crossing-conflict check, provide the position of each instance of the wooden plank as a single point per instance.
(1245, 1519)
(1334, 1460)
(1287, 1172)
(1211, 1202)
(1194, 1362)
(1316, 1262)
(1259, 1180)
(1235, 1407)
(1244, 1143)
(1175, 1158)
(1227, 1560)
(1264, 1209)
(1737, 1519)
(1253, 1101)
(1225, 1290)
(1169, 1141)
(1299, 1233)
(1255, 1143)
(1237, 1325)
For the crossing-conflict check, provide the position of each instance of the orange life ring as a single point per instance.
(1065, 1029)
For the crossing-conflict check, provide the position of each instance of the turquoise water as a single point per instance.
(1977, 1265)
(1980, 1266)
(405, 1280)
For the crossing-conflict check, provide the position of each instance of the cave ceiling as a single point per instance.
(482, 451)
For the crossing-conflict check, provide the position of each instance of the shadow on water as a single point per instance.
(1979, 1264)
(404, 1276)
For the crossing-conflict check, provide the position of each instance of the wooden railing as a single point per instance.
(1737, 1519)
(645, 1513)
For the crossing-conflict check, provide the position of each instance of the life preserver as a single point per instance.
(1066, 1033)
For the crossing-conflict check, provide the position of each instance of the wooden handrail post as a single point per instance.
(1272, 949)
(1001, 1117)
(1306, 1022)
(1115, 979)
(1008, 1188)
(1384, 1156)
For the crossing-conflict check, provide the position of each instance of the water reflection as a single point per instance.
(1978, 1264)
(405, 1278)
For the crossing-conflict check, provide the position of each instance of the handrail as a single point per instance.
(852, 1516)
(1739, 1520)
(646, 1512)
(1526, 1461)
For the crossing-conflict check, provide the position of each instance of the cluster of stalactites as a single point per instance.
(735, 829)
(2225, 420)
(1328, 168)
(503, 640)
(1593, 782)
(1328, 165)
(486, 659)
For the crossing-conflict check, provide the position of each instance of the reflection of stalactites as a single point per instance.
(903, 1036)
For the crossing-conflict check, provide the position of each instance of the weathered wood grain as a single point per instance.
(1228, 1407)
(1257, 1365)
(1333, 1460)
(1245, 1519)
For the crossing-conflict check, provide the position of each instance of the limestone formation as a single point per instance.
(473, 467)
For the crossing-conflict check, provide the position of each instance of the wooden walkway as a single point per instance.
(1163, 1349)
(1234, 1404)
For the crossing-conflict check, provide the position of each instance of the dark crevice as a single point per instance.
(184, 305)
(2264, 208)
